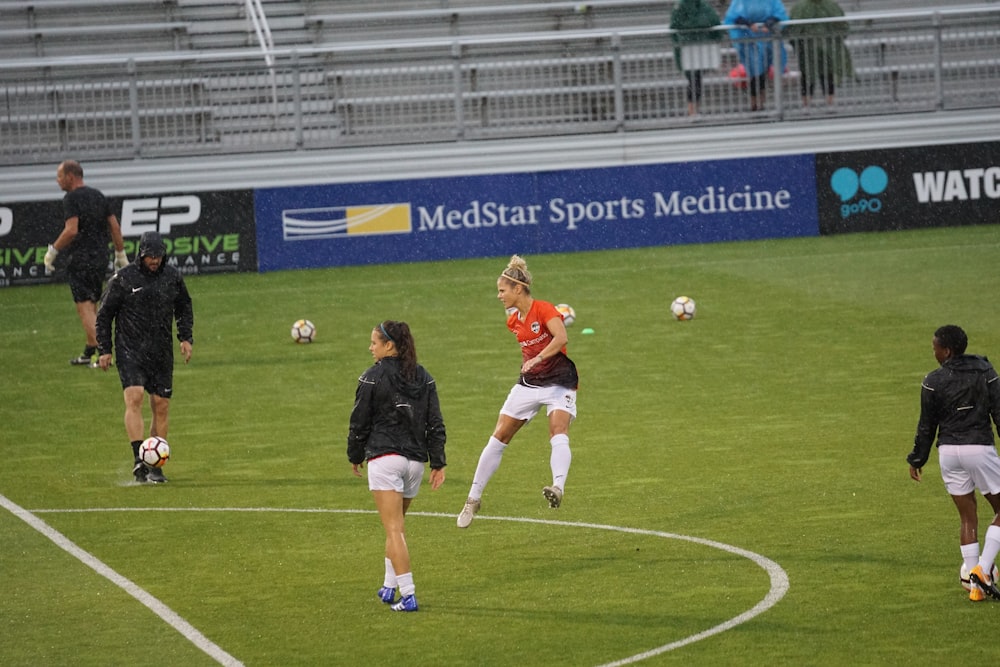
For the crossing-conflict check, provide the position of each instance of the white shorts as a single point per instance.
(395, 473)
(968, 467)
(525, 402)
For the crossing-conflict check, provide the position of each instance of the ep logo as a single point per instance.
(871, 181)
(159, 214)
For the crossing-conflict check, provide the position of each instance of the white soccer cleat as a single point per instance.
(468, 512)
(554, 495)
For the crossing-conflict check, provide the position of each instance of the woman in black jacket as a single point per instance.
(396, 426)
(960, 403)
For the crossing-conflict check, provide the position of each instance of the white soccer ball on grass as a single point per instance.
(303, 331)
(683, 308)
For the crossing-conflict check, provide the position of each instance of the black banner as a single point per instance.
(908, 188)
(205, 232)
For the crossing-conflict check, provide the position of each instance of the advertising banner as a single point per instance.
(207, 232)
(908, 188)
(555, 211)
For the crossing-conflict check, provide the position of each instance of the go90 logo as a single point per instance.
(872, 181)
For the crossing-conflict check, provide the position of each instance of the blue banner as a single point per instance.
(530, 213)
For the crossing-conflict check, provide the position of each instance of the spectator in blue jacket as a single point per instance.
(757, 28)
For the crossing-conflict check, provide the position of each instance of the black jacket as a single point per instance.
(144, 306)
(957, 403)
(394, 416)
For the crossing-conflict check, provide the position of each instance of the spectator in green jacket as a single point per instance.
(820, 47)
(692, 20)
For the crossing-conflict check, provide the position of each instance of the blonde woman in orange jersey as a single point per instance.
(548, 379)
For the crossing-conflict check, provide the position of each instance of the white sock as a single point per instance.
(560, 459)
(489, 461)
(991, 547)
(406, 586)
(970, 555)
(390, 575)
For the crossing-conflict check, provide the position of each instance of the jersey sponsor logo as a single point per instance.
(306, 224)
(535, 341)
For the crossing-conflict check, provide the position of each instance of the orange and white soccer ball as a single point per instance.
(154, 452)
(567, 312)
(683, 308)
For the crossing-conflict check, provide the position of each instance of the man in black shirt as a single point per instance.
(143, 299)
(88, 223)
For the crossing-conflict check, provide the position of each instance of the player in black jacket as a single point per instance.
(143, 299)
(396, 426)
(960, 403)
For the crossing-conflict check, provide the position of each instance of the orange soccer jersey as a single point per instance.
(533, 335)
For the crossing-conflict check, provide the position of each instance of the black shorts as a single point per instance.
(85, 282)
(158, 380)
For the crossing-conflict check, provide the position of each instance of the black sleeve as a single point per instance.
(108, 310)
(927, 428)
(361, 418)
(435, 432)
(993, 387)
(184, 313)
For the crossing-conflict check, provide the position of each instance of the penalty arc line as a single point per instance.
(779, 583)
(169, 616)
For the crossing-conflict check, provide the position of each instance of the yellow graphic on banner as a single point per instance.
(329, 222)
(385, 219)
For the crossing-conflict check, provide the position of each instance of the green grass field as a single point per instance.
(776, 422)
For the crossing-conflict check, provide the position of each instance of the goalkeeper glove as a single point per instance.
(121, 259)
(50, 259)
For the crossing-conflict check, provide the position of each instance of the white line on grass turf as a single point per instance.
(163, 611)
(777, 575)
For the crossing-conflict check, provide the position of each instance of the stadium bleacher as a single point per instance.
(395, 71)
(482, 19)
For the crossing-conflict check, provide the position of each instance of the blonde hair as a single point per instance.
(517, 272)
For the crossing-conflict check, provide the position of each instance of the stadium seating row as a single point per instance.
(410, 88)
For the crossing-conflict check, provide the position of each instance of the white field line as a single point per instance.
(778, 576)
(163, 611)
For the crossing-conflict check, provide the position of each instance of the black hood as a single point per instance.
(965, 363)
(151, 245)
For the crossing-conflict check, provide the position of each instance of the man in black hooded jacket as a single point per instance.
(143, 299)
(960, 403)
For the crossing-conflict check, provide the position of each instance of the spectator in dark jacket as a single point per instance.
(692, 20)
(396, 426)
(143, 299)
(960, 403)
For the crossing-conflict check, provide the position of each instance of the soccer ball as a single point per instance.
(303, 331)
(567, 312)
(154, 452)
(963, 576)
(683, 308)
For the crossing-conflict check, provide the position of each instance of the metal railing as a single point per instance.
(262, 29)
(469, 88)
